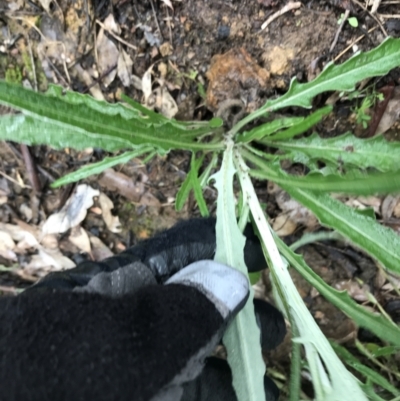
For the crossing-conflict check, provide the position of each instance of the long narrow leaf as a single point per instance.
(377, 324)
(242, 339)
(268, 128)
(197, 190)
(353, 183)
(26, 129)
(382, 243)
(81, 116)
(330, 378)
(369, 373)
(187, 184)
(302, 126)
(345, 150)
(97, 168)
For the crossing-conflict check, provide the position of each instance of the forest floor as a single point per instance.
(186, 57)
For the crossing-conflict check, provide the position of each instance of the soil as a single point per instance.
(205, 53)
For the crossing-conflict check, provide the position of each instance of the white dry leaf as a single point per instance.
(7, 245)
(73, 212)
(26, 211)
(49, 258)
(24, 237)
(168, 3)
(80, 238)
(165, 103)
(107, 51)
(3, 199)
(112, 222)
(136, 82)
(124, 68)
(147, 84)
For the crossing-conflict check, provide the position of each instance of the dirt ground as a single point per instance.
(187, 57)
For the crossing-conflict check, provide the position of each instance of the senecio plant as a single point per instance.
(66, 119)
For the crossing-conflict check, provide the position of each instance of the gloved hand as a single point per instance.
(109, 331)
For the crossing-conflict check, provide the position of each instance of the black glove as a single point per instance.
(118, 335)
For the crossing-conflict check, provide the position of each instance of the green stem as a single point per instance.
(295, 376)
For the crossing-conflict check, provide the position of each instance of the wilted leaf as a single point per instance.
(73, 212)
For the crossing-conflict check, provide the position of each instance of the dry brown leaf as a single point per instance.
(283, 225)
(293, 209)
(147, 84)
(107, 51)
(165, 103)
(124, 68)
(388, 206)
(73, 212)
(354, 290)
(112, 222)
(80, 239)
(391, 114)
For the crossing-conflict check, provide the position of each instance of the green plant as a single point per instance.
(370, 166)
(362, 112)
(353, 21)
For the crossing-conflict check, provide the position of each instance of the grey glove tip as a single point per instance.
(226, 287)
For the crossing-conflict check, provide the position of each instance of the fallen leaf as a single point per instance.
(6, 246)
(165, 103)
(168, 3)
(283, 225)
(73, 212)
(147, 84)
(391, 114)
(80, 238)
(112, 222)
(124, 68)
(107, 51)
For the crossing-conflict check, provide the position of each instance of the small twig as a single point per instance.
(372, 16)
(352, 44)
(18, 156)
(344, 19)
(289, 6)
(375, 6)
(394, 16)
(155, 17)
(31, 168)
(7, 177)
(169, 26)
(116, 37)
(58, 73)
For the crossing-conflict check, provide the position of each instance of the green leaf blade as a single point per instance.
(82, 115)
(376, 62)
(98, 168)
(382, 243)
(377, 324)
(345, 150)
(242, 338)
